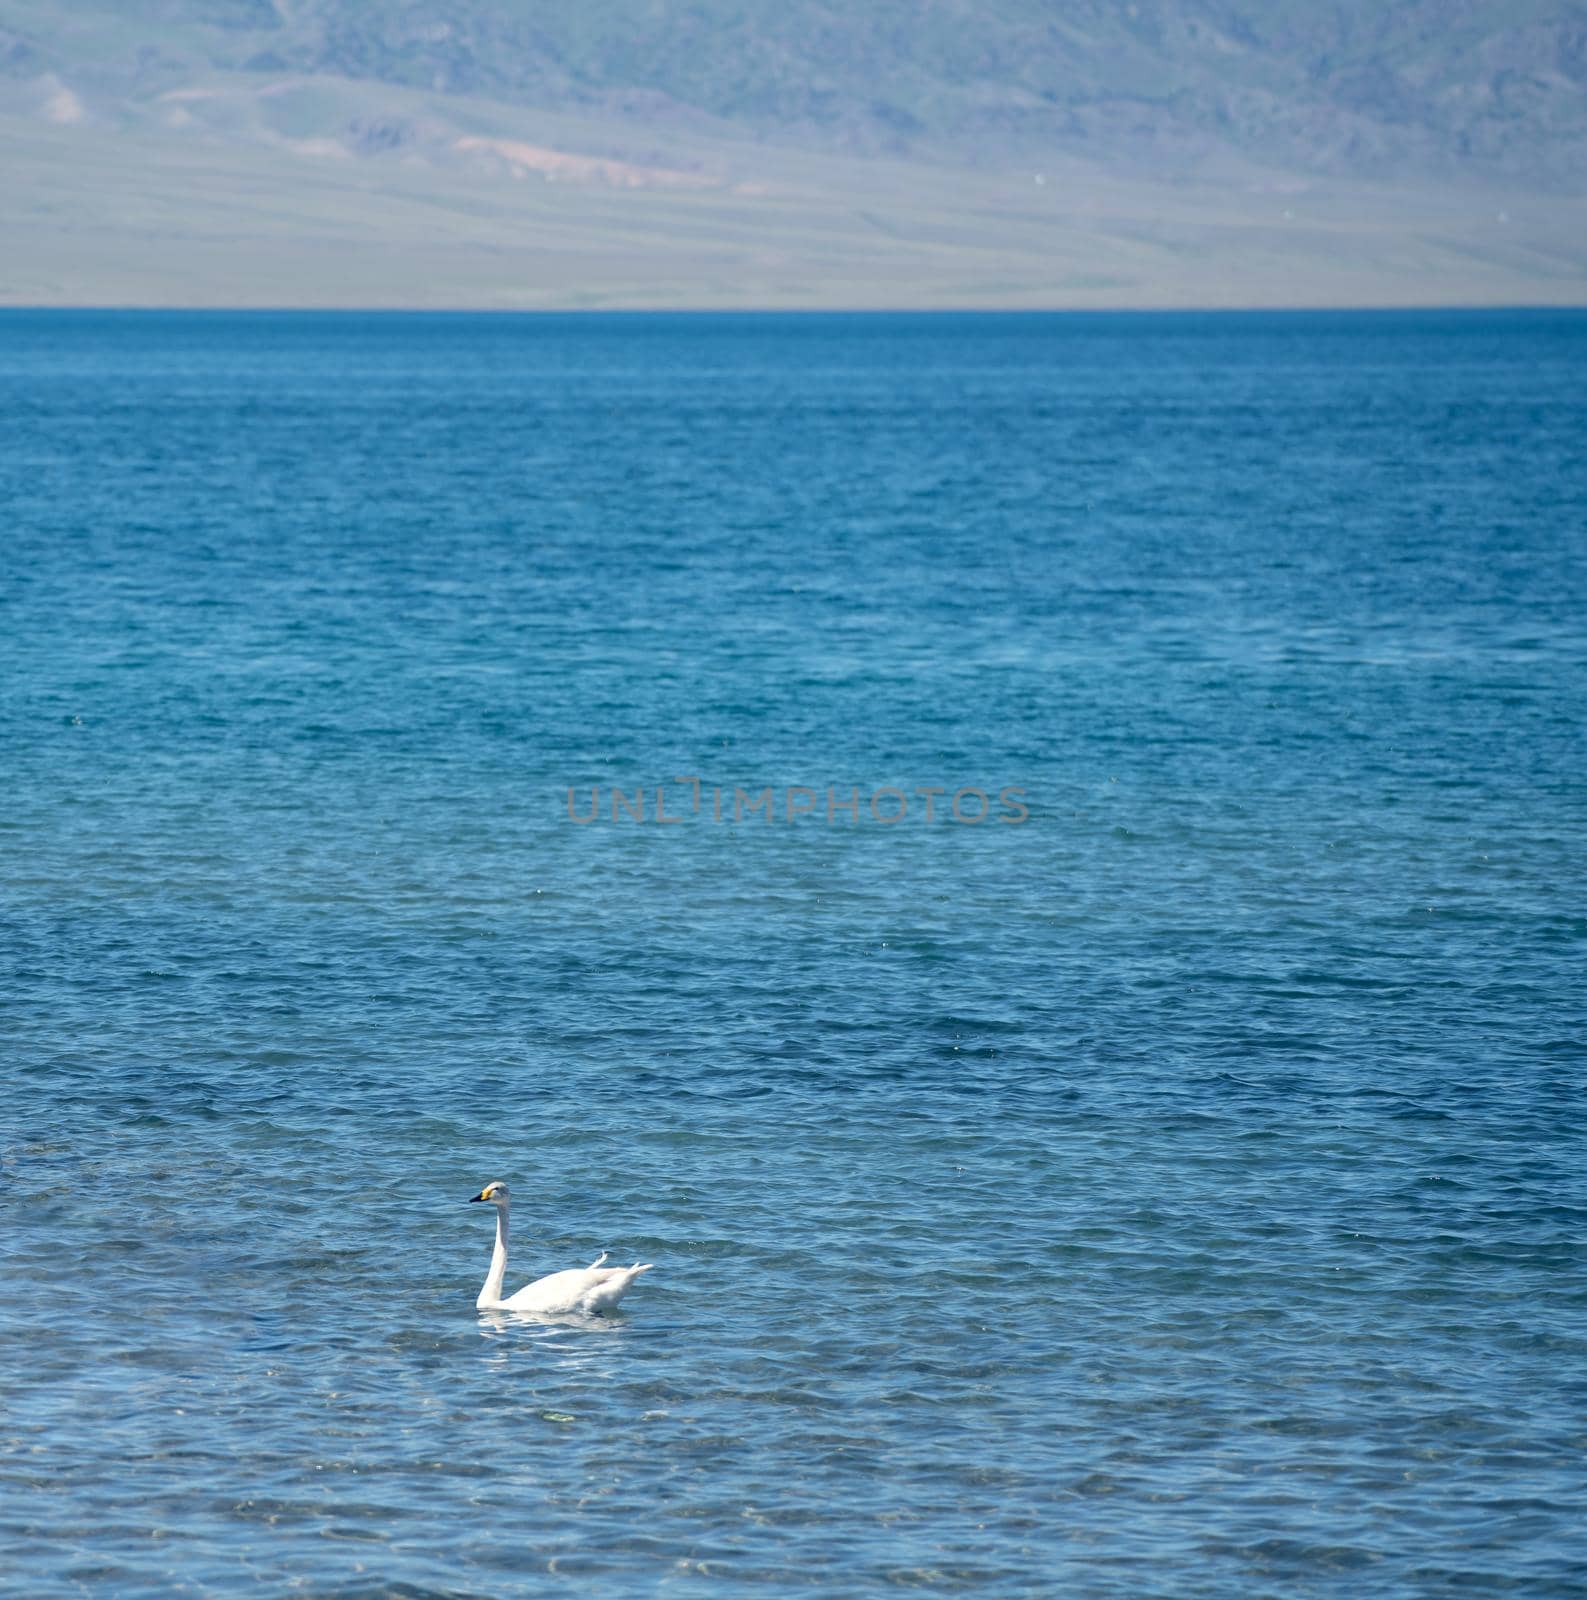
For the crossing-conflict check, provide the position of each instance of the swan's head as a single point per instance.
(493, 1194)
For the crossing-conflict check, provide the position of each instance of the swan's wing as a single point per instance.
(553, 1292)
(595, 1288)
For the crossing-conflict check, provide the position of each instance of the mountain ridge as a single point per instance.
(1428, 88)
(650, 153)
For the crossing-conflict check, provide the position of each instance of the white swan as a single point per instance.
(579, 1290)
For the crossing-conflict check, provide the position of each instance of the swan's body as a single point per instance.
(579, 1291)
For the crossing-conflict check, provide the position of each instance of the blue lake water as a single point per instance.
(1176, 1190)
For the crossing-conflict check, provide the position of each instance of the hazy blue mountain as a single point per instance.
(793, 152)
(1358, 87)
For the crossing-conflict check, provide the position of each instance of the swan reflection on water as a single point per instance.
(493, 1323)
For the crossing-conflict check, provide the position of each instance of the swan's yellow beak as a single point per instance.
(475, 1200)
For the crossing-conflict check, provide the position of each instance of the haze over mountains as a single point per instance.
(655, 152)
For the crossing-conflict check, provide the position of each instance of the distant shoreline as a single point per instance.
(1310, 309)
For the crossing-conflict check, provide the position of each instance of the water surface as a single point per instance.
(1179, 1192)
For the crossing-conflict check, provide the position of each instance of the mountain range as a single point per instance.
(618, 152)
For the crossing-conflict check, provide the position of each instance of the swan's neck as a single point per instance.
(490, 1295)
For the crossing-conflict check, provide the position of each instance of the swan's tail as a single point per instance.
(640, 1266)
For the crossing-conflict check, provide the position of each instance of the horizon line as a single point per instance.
(1369, 308)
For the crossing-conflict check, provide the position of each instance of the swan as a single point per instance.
(579, 1290)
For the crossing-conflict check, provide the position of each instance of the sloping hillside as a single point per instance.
(1421, 87)
(796, 152)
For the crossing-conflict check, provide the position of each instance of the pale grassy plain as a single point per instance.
(320, 193)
